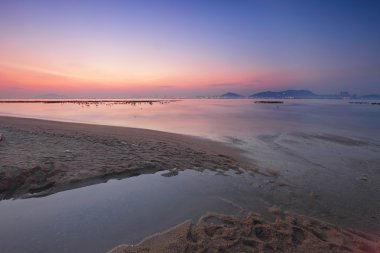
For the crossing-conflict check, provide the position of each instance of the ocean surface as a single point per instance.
(313, 155)
(218, 119)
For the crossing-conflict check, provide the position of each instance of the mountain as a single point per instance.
(231, 95)
(285, 94)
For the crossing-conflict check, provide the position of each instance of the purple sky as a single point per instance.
(187, 48)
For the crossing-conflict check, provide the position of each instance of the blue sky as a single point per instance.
(188, 47)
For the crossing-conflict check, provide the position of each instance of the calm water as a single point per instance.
(99, 217)
(318, 148)
(217, 118)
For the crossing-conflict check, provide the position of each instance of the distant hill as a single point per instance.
(231, 95)
(310, 95)
(285, 94)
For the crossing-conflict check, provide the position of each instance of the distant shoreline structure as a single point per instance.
(298, 94)
(286, 94)
(88, 102)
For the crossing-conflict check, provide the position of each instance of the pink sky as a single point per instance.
(196, 48)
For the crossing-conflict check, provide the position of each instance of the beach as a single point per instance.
(43, 157)
(251, 233)
(267, 197)
(189, 126)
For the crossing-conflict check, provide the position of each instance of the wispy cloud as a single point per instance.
(165, 86)
(9, 87)
(224, 84)
(42, 70)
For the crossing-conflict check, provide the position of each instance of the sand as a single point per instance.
(40, 157)
(251, 233)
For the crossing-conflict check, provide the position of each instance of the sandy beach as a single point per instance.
(189, 126)
(251, 233)
(40, 157)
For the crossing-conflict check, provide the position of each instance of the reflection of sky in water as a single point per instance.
(301, 139)
(99, 217)
(218, 118)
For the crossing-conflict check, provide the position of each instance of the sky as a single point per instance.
(121, 48)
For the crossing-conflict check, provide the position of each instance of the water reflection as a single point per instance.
(212, 118)
(315, 150)
(88, 103)
(97, 218)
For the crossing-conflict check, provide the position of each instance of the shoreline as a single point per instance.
(42, 157)
(250, 232)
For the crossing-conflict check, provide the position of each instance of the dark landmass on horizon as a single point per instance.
(300, 94)
(231, 95)
(286, 94)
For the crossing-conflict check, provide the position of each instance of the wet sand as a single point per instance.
(251, 233)
(40, 157)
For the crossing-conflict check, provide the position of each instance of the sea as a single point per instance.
(317, 157)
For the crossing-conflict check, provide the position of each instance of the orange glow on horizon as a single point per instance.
(41, 77)
(38, 77)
